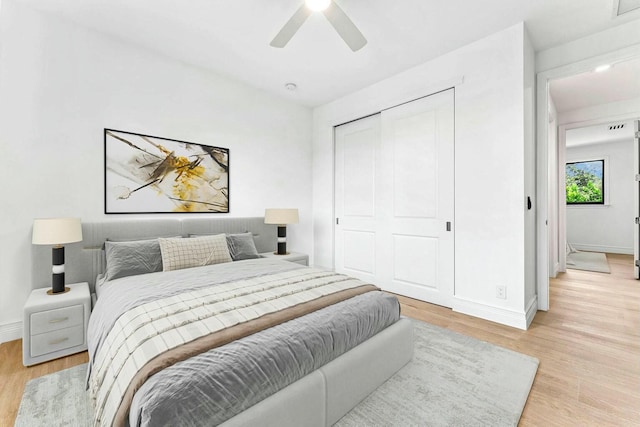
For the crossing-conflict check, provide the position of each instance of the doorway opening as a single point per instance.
(595, 195)
(572, 98)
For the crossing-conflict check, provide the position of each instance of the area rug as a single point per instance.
(589, 261)
(57, 399)
(452, 380)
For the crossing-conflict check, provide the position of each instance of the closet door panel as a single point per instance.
(359, 174)
(357, 147)
(418, 146)
(409, 268)
(394, 199)
(415, 161)
(359, 251)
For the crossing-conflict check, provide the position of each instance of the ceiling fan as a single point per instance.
(334, 14)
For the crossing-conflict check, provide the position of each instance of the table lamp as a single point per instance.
(281, 217)
(57, 232)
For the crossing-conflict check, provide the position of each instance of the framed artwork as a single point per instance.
(150, 174)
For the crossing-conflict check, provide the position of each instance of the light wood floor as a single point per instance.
(588, 345)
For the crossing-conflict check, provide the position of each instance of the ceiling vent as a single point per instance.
(616, 127)
(625, 6)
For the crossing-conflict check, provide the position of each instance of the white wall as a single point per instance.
(617, 38)
(622, 109)
(489, 201)
(61, 84)
(605, 228)
(529, 77)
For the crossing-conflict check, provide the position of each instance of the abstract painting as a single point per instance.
(150, 174)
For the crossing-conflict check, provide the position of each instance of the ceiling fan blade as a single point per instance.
(291, 27)
(345, 27)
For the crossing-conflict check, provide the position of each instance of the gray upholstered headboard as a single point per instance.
(84, 260)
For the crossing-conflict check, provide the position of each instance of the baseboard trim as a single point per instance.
(10, 331)
(605, 249)
(532, 309)
(500, 315)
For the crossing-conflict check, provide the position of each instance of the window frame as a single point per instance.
(602, 160)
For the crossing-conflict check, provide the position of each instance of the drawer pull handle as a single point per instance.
(58, 341)
(59, 319)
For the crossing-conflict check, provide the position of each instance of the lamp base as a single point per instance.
(284, 253)
(57, 278)
(282, 240)
(66, 289)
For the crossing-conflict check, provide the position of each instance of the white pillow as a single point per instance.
(195, 252)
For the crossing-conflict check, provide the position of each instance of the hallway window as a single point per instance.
(585, 183)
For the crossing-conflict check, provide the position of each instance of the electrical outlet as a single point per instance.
(501, 292)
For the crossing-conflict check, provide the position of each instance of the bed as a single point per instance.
(288, 345)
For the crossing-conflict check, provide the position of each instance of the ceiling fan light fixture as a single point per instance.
(317, 5)
(339, 20)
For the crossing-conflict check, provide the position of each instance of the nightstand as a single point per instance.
(296, 257)
(55, 325)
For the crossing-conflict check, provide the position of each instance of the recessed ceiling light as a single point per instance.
(317, 5)
(291, 86)
(601, 68)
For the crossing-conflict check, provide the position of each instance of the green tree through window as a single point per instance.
(585, 182)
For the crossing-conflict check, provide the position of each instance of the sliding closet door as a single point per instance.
(417, 173)
(394, 199)
(357, 157)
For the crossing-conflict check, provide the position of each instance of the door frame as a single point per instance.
(543, 154)
(562, 147)
(636, 199)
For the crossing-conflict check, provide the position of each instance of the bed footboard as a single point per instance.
(326, 395)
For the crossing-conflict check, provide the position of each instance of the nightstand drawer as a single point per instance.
(52, 320)
(57, 340)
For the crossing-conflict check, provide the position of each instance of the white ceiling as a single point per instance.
(231, 37)
(619, 83)
(600, 134)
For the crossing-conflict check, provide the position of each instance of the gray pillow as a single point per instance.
(241, 246)
(132, 258)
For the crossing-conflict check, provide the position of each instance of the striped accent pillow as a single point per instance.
(195, 252)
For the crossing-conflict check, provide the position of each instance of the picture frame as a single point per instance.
(146, 174)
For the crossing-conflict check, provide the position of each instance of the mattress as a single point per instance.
(217, 384)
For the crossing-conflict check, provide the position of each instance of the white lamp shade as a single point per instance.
(281, 216)
(56, 231)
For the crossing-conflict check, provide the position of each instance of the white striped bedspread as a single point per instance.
(148, 330)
